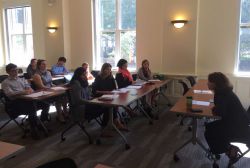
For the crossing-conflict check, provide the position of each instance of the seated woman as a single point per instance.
(144, 73)
(233, 124)
(31, 69)
(80, 91)
(123, 77)
(105, 83)
(85, 65)
(43, 80)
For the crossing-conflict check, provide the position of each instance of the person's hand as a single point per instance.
(214, 111)
(28, 91)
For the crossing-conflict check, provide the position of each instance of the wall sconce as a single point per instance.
(52, 29)
(179, 23)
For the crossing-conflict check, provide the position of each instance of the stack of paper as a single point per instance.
(139, 83)
(108, 97)
(133, 87)
(123, 90)
(38, 94)
(201, 103)
(154, 80)
(58, 88)
(203, 92)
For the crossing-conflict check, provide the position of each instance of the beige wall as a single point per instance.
(54, 43)
(149, 32)
(217, 35)
(80, 32)
(179, 44)
(46, 46)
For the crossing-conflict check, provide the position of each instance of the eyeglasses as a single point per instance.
(13, 70)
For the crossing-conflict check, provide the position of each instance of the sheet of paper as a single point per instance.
(58, 88)
(201, 103)
(154, 80)
(133, 87)
(38, 94)
(120, 91)
(139, 83)
(203, 92)
(110, 96)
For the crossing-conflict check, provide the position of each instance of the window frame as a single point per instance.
(8, 36)
(117, 33)
(241, 25)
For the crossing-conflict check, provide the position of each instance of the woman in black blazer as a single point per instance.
(234, 121)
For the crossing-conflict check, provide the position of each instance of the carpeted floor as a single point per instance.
(152, 146)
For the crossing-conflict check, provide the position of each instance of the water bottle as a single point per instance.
(116, 85)
(189, 100)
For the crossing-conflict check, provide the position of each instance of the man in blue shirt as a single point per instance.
(59, 68)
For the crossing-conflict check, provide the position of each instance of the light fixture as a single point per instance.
(179, 23)
(52, 29)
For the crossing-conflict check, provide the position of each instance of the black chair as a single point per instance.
(74, 122)
(192, 80)
(184, 86)
(185, 90)
(243, 140)
(60, 163)
(10, 112)
(3, 77)
(95, 73)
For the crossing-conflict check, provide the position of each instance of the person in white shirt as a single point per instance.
(13, 87)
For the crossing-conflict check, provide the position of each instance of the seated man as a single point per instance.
(59, 68)
(13, 87)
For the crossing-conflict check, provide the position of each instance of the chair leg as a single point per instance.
(85, 131)
(64, 131)
(7, 122)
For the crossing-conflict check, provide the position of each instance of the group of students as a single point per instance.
(40, 78)
(232, 125)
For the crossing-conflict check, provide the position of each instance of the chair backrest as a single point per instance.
(7, 105)
(61, 163)
(191, 79)
(95, 73)
(184, 86)
(3, 77)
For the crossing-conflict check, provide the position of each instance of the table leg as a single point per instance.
(194, 140)
(45, 130)
(111, 123)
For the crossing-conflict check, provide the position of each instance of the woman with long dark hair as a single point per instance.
(105, 83)
(234, 121)
(80, 93)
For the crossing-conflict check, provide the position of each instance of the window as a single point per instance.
(19, 35)
(243, 66)
(115, 32)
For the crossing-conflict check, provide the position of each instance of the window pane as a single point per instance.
(28, 21)
(107, 48)
(128, 14)
(29, 48)
(20, 39)
(245, 11)
(128, 49)
(17, 43)
(107, 14)
(244, 58)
